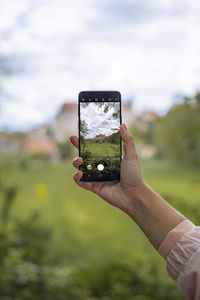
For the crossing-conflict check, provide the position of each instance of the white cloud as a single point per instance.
(97, 121)
(149, 51)
(10, 10)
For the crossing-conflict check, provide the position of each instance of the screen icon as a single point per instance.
(89, 167)
(100, 167)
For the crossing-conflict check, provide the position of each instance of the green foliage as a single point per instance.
(190, 211)
(175, 135)
(65, 150)
(34, 160)
(83, 127)
(86, 153)
(107, 149)
(82, 141)
(25, 268)
(113, 138)
(82, 248)
(121, 280)
(144, 136)
(178, 132)
(10, 193)
(22, 252)
(107, 106)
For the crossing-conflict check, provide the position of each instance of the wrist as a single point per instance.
(137, 198)
(152, 213)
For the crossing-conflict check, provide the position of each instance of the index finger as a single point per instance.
(129, 147)
(75, 141)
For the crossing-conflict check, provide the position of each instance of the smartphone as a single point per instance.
(99, 135)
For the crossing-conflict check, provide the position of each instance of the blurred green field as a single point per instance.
(86, 230)
(83, 225)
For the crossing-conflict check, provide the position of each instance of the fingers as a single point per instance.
(86, 185)
(78, 176)
(77, 161)
(75, 141)
(129, 147)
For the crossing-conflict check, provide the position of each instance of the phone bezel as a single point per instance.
(105, 95)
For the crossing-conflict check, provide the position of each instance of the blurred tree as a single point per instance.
(83, 128)
(145, 135)
(107, 106)
(65, 150)
(178, 132)
(113, 138)
(9, 65)
(5, 70)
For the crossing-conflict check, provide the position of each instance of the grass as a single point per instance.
(83, 225)
(170, 178)
(103, 149)
(86, 229)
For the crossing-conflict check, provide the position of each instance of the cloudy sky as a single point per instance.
(97, 121)
(148, 50)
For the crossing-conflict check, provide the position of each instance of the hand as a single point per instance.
(132, 195)
(118, 194)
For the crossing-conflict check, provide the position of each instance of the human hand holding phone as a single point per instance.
(118, 194)
(132, 195)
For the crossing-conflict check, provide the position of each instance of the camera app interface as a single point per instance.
(100, 138)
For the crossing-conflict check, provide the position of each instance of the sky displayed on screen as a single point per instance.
(99, 122)
(148, 50)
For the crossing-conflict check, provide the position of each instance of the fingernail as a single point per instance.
(125, 127)
(75, 159)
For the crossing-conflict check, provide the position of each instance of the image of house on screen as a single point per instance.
(98, 138)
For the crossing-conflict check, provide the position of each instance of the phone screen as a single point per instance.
(99, 135)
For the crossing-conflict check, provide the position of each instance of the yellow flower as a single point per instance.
(42, 192)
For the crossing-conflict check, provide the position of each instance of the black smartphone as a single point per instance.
(99, 135)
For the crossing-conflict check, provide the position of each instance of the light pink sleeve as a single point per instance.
(181, 249)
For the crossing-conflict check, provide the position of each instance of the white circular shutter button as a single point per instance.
(100, 167)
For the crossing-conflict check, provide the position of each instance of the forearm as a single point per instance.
(153, 214)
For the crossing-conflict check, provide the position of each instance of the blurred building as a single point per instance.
(40, 146)
(98, 138)
(41, 132)
(10, 143)
(66, 122)
(45, 137)
(148, 115)
(128, 116)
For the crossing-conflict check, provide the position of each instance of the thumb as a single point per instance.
(129, 147)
